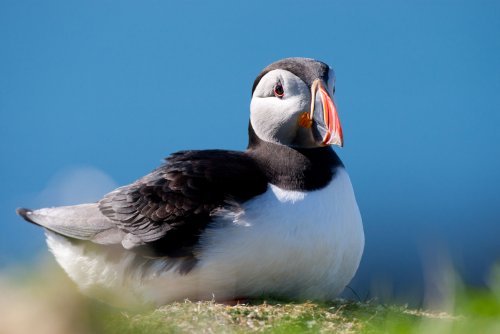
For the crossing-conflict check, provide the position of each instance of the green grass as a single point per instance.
(44, 302)
(274, 317)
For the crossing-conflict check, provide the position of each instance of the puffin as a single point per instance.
(279, 219)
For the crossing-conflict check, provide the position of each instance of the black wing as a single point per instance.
(167, 210)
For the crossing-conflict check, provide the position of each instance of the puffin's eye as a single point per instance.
(278, 90)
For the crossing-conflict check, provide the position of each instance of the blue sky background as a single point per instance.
(93, 94)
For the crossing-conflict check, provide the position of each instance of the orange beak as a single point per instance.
(333, 134)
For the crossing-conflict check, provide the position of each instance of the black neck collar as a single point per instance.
(293, 168)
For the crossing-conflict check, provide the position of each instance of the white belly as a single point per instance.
(284, 243)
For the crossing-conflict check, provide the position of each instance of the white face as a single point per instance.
(275, 118)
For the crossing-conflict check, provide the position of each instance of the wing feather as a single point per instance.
(168, 209)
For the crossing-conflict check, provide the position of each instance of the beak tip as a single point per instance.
(336, 139)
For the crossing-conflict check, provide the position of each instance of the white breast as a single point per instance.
(289, 243)
(285, 243)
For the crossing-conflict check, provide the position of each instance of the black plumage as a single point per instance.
(168, 209)
(306, 69)
(165, 212)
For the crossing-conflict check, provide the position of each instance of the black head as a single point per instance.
(306, 69)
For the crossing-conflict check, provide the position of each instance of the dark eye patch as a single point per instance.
(278, 90)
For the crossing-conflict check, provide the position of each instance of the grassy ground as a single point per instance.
(44, 302)
(275, 317)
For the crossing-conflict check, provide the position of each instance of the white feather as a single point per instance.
(286, 243)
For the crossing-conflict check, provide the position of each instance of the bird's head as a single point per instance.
(292, 104)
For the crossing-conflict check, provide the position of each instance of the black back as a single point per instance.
(168, 209)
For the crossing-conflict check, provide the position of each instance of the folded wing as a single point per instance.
(166, 211)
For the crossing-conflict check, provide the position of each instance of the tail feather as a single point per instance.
(26, 213)
(84, 222)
